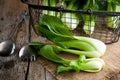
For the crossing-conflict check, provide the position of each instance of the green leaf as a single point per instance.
(53, 29)
(48, 52)
(62, 68)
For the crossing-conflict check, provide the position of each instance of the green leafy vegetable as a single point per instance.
(112, 6)
(49, 52)
(89, 20)
(54, 30)
(70, 19)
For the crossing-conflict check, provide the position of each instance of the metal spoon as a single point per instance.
(25, 54)
(7, 48)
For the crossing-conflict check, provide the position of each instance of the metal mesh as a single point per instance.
(103, 30)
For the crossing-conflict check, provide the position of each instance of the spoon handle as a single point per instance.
(27, 22)
(24, 17)
(15, 28)
(27, 72)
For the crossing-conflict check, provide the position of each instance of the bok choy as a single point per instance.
(89, 20)
(51, 3)
(80, 64)
(112, 6)
(70, 19)
(54, 30)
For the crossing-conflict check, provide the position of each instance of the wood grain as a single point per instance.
(12, 68)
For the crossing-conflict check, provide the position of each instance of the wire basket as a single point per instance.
(103, 28)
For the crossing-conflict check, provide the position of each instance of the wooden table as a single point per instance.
(12, 68)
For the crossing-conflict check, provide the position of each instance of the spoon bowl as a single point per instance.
(7, 48)
(26, 54)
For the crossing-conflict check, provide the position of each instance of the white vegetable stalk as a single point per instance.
(83, 64)
(89, 27)
(112, 21)
(92, 65)
(70, 20)
(99, 45)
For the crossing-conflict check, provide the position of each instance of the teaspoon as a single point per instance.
(7, 48)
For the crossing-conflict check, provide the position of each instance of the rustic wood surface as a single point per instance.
(12, 68)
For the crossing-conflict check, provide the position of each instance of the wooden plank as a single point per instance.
(115, 77)
(39, 72)
(36, 71)
(11, 68)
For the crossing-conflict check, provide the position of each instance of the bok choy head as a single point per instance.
(54, 30)
(50, 52)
